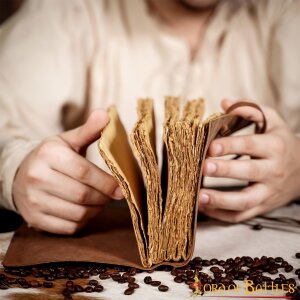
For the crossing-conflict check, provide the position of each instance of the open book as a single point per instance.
(163, 206)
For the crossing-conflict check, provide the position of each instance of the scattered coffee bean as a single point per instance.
(47, 284)
(155, 283)
(98, 288)
(257, 226)
(133, 285)
(163, 288)
(89, 289)
(147, 279)
(129, 291)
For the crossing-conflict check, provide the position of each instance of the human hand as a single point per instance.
(58, 190)
(273, 170)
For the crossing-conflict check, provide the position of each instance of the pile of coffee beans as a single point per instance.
(79, 278)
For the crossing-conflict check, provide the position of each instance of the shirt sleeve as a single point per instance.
(285, 63)
(44, 54)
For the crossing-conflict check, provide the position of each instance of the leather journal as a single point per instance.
(158, 226)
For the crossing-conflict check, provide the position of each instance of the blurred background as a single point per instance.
(7, 8)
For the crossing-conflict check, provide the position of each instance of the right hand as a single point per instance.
(58, 190)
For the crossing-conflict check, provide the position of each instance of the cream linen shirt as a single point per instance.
(97, 53)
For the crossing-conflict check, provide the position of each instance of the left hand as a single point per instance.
(273, 170)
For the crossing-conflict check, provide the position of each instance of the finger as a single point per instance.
(234, 216)
(254, 145)
(249, 170)
(51, 205)
(55, 225)
(66, 188)
(87, 133)
(77, 167)
(242, 200)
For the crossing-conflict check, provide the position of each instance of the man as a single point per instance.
(59, 60)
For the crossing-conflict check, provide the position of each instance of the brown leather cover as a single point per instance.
(119, 235)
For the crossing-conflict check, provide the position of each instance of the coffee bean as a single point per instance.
(213, 261)
(34, 283)
(130, 279)
(155, 283)
(257, 226)
(147, 279)
(98, 288)
(297, 255)
(69, 283)
(163, 288)
(178, 279)
(89, 289)
(129, 291)
(47, 284)
(93, 282)
(122, 280)
(78, 288)
(134, 285)
(288, 268)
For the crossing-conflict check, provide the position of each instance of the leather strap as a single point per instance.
(258, 129)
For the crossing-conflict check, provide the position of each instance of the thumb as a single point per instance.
(87, 133)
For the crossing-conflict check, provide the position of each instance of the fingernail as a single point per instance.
(217, 149)
(210, 168)
(118, 193)
(204, 198)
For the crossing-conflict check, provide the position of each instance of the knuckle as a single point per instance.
(44, 149)
(32, 176)
(81, 215)
(33, 202)
(82, 172)
(81, 196)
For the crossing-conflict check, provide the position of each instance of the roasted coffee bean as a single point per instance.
(115, 277)
(122, 280)
(132, 271)
(297, 272)
(129, 291)
(178, 279)
(104, 276)
(189, 281)
(78, 288)
(297, 255)
(130, 279)
(49, 278)
(288, 268)
(257, 226)
(89, 289)
(47, 284)
(155, 283)
(111, 271)
(126, 275)
(69, 283)
(34, 283)
(215, 270)
(93, 282)
(98, 288)
(273, 271)
(206, 263)
(134, 285)
(147, 279)
(213, 261)
(163, 288)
